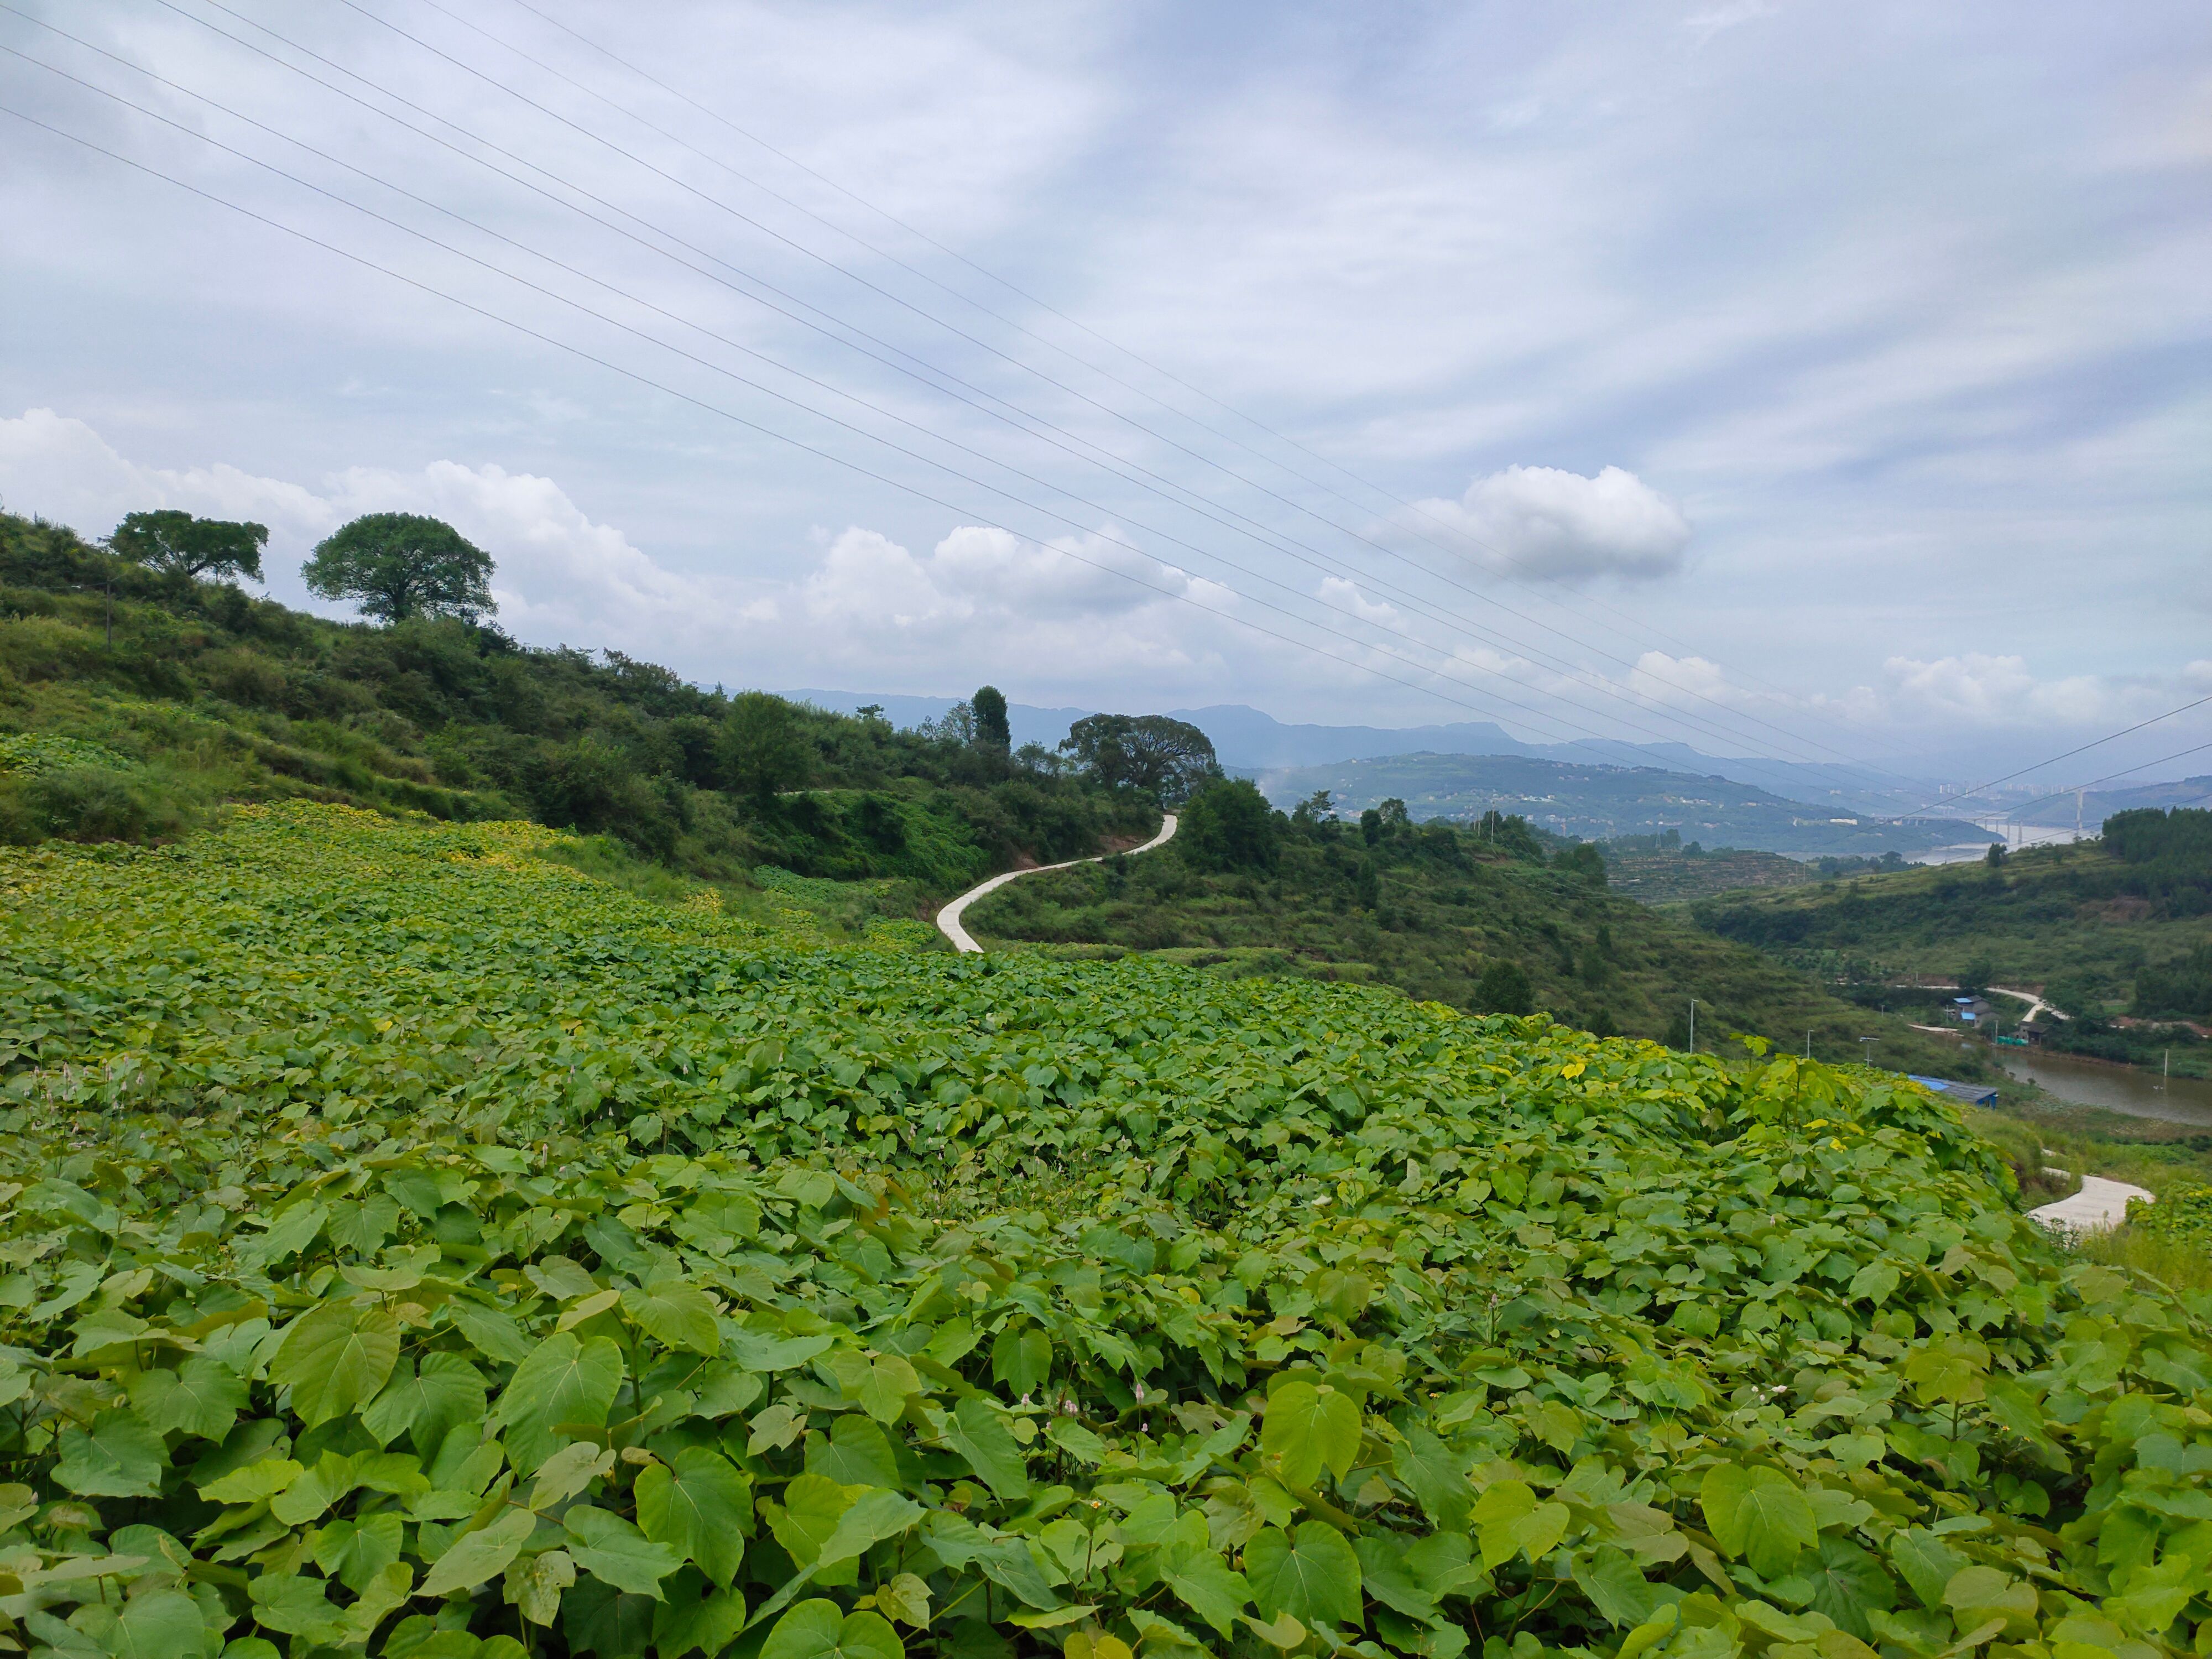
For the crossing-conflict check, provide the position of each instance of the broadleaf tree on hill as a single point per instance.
(178, 544)
(399, 566)
(1165, 758)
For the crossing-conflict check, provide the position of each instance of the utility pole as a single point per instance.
(1867, 1046)
(1694, 1025)
(1808, 1042)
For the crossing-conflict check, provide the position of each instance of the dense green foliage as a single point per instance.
(1669, 875)
(181, 545)
(416, 1248)
(214, 696)
(1488, 916)
(1163, 758)
(2178, 990)
(2180, 1217)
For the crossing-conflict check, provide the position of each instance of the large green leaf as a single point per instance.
(335, 1358)
(484, 1554)
(1311, 1574)
(1759, 1514)
(611, 1548)
(1311, 1427)
(676, 1315)
(1207, 1585)
(204, 1399)
(119, 1456)
(820, 1629)
(354, 1552)
(701, 1507)
(1616, 1588)
(854, 1453)
(564, 1381)
(164, 1625)
(1021, 1358)
(1388, 1578)
(873, 1516)
(425, 1402)
(979, 1434)
(1848, 1584)
(1435, 1476)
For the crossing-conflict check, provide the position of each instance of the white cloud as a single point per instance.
(59, 466)
(1558, 526)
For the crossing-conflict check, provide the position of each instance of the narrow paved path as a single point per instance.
(2035, 1004)
(2099, 1206)
(948, 919)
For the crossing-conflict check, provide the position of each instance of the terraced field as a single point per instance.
(416, 1248)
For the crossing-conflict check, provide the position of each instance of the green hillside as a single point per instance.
(418, 1248)
(2117, 927)
(1432, 908)
(132, 703)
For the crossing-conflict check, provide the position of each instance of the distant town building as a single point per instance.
(1970, 1010)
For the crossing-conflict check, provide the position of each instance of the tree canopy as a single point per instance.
(1162, 756)
(180, 545)
(1227, 824)
(992, 727)
(395, 566)
(763, 747)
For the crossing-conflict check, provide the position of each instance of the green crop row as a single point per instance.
(413, 1247)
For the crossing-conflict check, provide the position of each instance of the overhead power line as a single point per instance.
(750, 384)
(1459, 533)
(468, 69)
(1578, 676)
(917, 493)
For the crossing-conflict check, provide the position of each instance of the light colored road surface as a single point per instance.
(948, 919)
(2035, 1004)
(2099, 1206)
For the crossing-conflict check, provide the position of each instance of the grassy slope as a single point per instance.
(1666, 878)
(205, 695)
(1445, 908)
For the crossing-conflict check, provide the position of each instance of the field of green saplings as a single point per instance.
(412, 1246)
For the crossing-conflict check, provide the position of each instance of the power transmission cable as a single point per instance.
(1576, 673)
(2083, 749)
(878, 288)
(753, 385)
(2140, 766)
(983, 521)
(913, 230)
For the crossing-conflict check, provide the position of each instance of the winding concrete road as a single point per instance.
(948, 919)
(2099, 1207)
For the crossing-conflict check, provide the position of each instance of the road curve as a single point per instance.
(948, 919)
(2099, 1206)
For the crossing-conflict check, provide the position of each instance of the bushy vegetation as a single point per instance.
(2105, 927)
(418, 1248)
(199, 694)
(1491, 916)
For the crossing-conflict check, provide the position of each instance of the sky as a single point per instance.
(1829, 383)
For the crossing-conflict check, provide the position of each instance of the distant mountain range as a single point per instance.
(1252, 742)
(1595, 802)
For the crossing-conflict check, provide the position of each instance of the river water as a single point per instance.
(2130, 1088)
